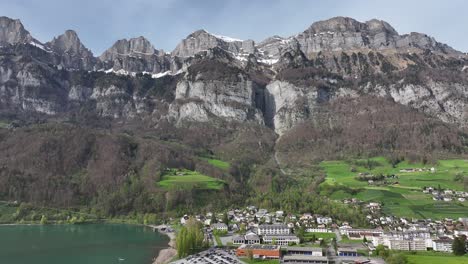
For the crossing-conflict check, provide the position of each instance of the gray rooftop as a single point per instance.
(304, 249)
(304, 257)
(258, 246)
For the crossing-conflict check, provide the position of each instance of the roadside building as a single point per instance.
(407, 244)
(238, 240)
(294, 259)
(318, 230)
(252, 238)
(259, 251)
(443, 244)
(460, 233)
(347, 252)
(283, 240)
(307, 251)
(220, 227)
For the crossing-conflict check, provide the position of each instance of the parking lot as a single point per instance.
(211, 256)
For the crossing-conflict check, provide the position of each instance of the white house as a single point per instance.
(460, 233)
(407, 244)
(184, 219)
(273, 230)
(324, 220)
(282, 240)
(442, 244)
(279, 213)
(252, 238)
(318, 230)
(219, 227)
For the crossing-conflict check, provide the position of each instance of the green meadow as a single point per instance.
(422, 259)
(402, 199)
(182, 178)
(217, 163)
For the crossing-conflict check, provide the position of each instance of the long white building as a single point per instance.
(281, 240)
(265, 230)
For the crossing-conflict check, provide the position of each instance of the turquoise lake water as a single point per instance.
(79, 244)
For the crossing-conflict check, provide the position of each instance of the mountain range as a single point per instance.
(341, 87)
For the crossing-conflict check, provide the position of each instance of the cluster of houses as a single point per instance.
(377, 179)
(417, 235)
(258, 226)
(411, 170)
(446, 195)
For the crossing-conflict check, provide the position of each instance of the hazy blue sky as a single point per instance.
(100, 23)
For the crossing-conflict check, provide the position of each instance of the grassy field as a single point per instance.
(421, 259)
(189, 179)
(406, 197)
(346, 240)
(217, 163)
(318, 235)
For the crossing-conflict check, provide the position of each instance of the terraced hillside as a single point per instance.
(402, 195)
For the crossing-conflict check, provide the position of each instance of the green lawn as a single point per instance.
(189, 179)
(405, 198)
(320, 235)
(217, 163)
(421, 259)
(346, 240)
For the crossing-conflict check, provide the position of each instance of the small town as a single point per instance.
(251, 235)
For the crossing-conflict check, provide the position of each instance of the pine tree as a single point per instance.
(225, 219)
(459, 246)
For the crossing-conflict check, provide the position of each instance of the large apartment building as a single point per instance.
(277, 229)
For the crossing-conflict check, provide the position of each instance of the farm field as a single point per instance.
(402, 199)
(217, 163)
(421, 259)
(181, 178)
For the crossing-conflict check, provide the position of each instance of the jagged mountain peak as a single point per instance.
(138, 46)
(201, 32)
(351, 25)
(12, 31)
(202, 40)
(197, 33)
(69, 52)
(336, 24)
(68, 42)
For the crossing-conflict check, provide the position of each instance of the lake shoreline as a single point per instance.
(164, 256)
(167, 254)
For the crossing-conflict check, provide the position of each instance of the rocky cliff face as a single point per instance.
(215, 86)
(13, 32)
(347, 34)
(280, 83)
(136, 55)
